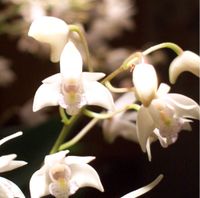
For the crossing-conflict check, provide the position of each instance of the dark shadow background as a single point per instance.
(122, 166)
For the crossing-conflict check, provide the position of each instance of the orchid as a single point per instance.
(187, 61)
(121, 124)
(166, 113)
(62, 176)
(52, 31)
(72, 88)
(7, 162)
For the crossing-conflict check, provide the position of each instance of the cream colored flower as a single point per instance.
(62, 176)
(123, 123)
(7, 162)
(53, 31)
(72, 88)
(187, 61)
(165, 117)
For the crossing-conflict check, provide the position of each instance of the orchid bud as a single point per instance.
(145, 82)
(187, 61)
(52, 31)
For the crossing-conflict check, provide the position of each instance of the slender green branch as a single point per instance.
(76, 28)
(109, 115)
(65, 130)
(116, 89)
(81, 134)
(169, 45)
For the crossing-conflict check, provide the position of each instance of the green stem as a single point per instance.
(81, 134)
(65, 130)
(75, 28)
(109, 115)
(169, 45)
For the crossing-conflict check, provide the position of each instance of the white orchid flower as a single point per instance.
(165, 117)
(145, 82)
(72, 88)
(7, 188)
(53, 31)
(187, 61)
(62, 176)
(123, 123)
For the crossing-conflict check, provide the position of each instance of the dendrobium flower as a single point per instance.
(72, 88)
(7, 162)
(165, 114)
(187, 61)
(121, 124)
(53, 31)
(165, 117)
(62, 176)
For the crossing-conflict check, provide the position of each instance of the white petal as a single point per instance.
(39, 184)
(97, 94)
(119, 127)
(145, 189)
(83, 175)
(9, 190)
(71, 62)
(56, 78)
(93, 76)
(78, 160)
(163, 89)
(46, 95)
(124, 100)
(55, 158)
(145, 127)
(185, 106)
(187, 61)
(2, 141)
(50, 30)
(145, 82)
(8, 163)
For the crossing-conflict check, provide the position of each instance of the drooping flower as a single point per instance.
(72, 88)
(53, 31)
(7, 162)
(123, 123)
(62, 176)
(165, 117)
(165, 114)
(187, 61)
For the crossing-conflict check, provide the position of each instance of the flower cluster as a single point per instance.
(76, 91)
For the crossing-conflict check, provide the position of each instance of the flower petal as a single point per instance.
(71, 62)
(97, 94)
(187, 61)
(46, 95)
(185, 106)
(124, 100)
(83, 175)
(50, 30)
(2, 141)
(39, 184)
(9, 190)
(8, 163)
(163, 89)
(78, 160)
(145, 82)
(93, 76)
(119, 127)
(56, 78)
(55, 158)
(144, 131)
